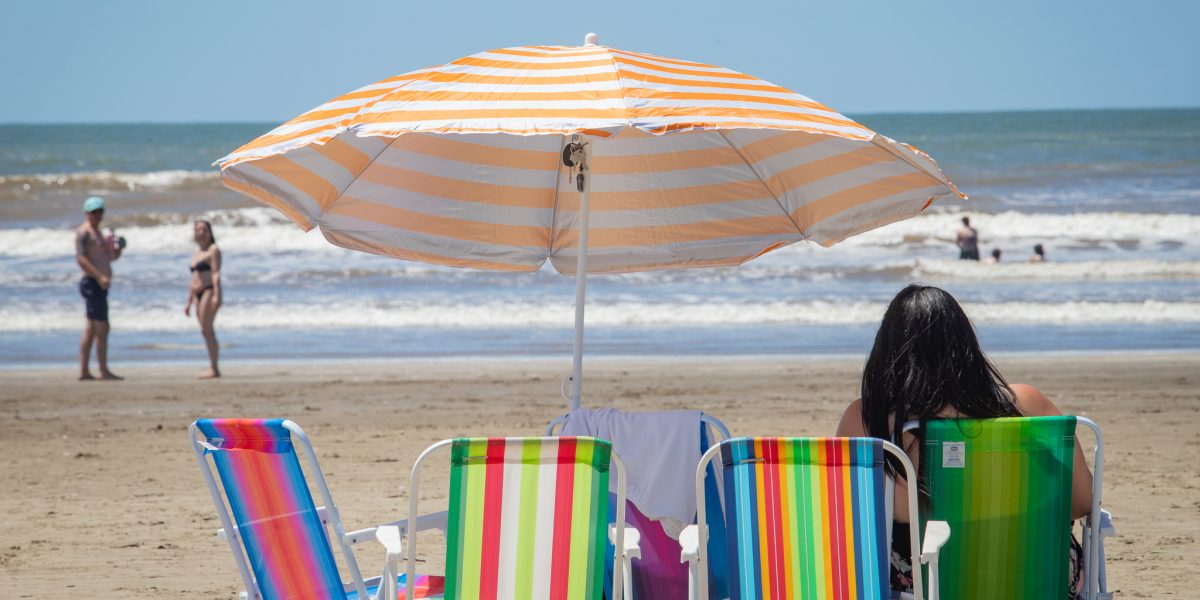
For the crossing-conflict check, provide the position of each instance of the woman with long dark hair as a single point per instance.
(926, 364)
(205, 291)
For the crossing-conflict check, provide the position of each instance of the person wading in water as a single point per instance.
(967, 240)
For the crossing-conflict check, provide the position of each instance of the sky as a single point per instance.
(268, 60)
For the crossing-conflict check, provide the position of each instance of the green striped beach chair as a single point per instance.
(1004, 485)
(528, 519)
(808, 518)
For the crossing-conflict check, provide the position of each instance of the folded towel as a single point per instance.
(660, 449)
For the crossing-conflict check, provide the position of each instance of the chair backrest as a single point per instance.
(1004, 486)
(283, 541)
(528, 517)
(806, 518)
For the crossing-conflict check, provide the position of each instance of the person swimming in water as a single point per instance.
(205, 291)
(1039, 254)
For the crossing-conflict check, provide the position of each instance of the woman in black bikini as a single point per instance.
(205, 291)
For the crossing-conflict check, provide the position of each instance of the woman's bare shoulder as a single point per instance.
(1032, 402)
(851, 424)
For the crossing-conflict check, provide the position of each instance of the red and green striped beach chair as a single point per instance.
(807, 518)
(528, 519)
(1004, 485)
(281, 541)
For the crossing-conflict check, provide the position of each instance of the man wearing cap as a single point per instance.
(95, 255)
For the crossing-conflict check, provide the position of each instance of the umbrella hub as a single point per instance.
(575, 157)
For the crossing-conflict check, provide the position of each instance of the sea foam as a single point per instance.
(265, 230)
(20, 317)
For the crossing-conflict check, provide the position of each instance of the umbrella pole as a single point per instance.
(581, 280)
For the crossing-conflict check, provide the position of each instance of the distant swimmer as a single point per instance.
(1039, 254)
(994, 258)
(95, 253)
(205, 291)
(968, 241)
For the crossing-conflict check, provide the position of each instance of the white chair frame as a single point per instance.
(1093, 535)
(694, 539)
(389, 535)
(625, 539)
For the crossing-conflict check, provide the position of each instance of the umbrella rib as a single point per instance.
(766, 187)
(620, 87)
(891, 147)
(342, 192)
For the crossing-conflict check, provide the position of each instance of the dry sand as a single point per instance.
(102, 498)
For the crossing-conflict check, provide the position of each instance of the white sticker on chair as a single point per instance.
(954, 455)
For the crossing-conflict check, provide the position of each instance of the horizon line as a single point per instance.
(849, 113)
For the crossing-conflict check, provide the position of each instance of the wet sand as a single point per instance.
(102, 497)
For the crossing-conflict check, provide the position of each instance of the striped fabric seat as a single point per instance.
(1004, 485)
(272, 508)
(271, 511)
(806, 518)
(528, 518)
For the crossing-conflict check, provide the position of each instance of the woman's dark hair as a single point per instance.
(212, 236)
(926, 358)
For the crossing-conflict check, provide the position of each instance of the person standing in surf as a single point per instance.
(94, 254)
(967, 240)
(205, 291)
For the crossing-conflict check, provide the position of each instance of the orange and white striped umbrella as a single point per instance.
(508, 158)
(689, 165)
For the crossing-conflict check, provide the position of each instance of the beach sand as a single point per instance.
(102, 497)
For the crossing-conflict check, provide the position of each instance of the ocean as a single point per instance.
(1114, 196)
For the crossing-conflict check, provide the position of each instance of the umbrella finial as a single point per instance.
(591, 39)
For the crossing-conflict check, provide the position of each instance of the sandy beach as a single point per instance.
(102, 494)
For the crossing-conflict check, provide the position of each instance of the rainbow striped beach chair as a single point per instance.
(528, 519)
(280, 539)
(808, 518)
(1004, 485)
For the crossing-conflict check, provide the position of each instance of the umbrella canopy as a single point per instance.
(691, 165)
(596, 159)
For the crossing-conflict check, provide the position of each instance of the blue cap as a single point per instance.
(93, 203)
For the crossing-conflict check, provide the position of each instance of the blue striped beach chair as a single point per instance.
(808, 518)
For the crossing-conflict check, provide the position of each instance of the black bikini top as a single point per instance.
(201, 266)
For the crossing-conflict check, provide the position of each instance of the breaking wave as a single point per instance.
(16, 317)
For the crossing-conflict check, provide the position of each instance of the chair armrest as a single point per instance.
(937, 533)
(1106, 524)
(632, 542)
(689, 552)
(427, 522)
(389, 536)
(631, 548)
(689, 544)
